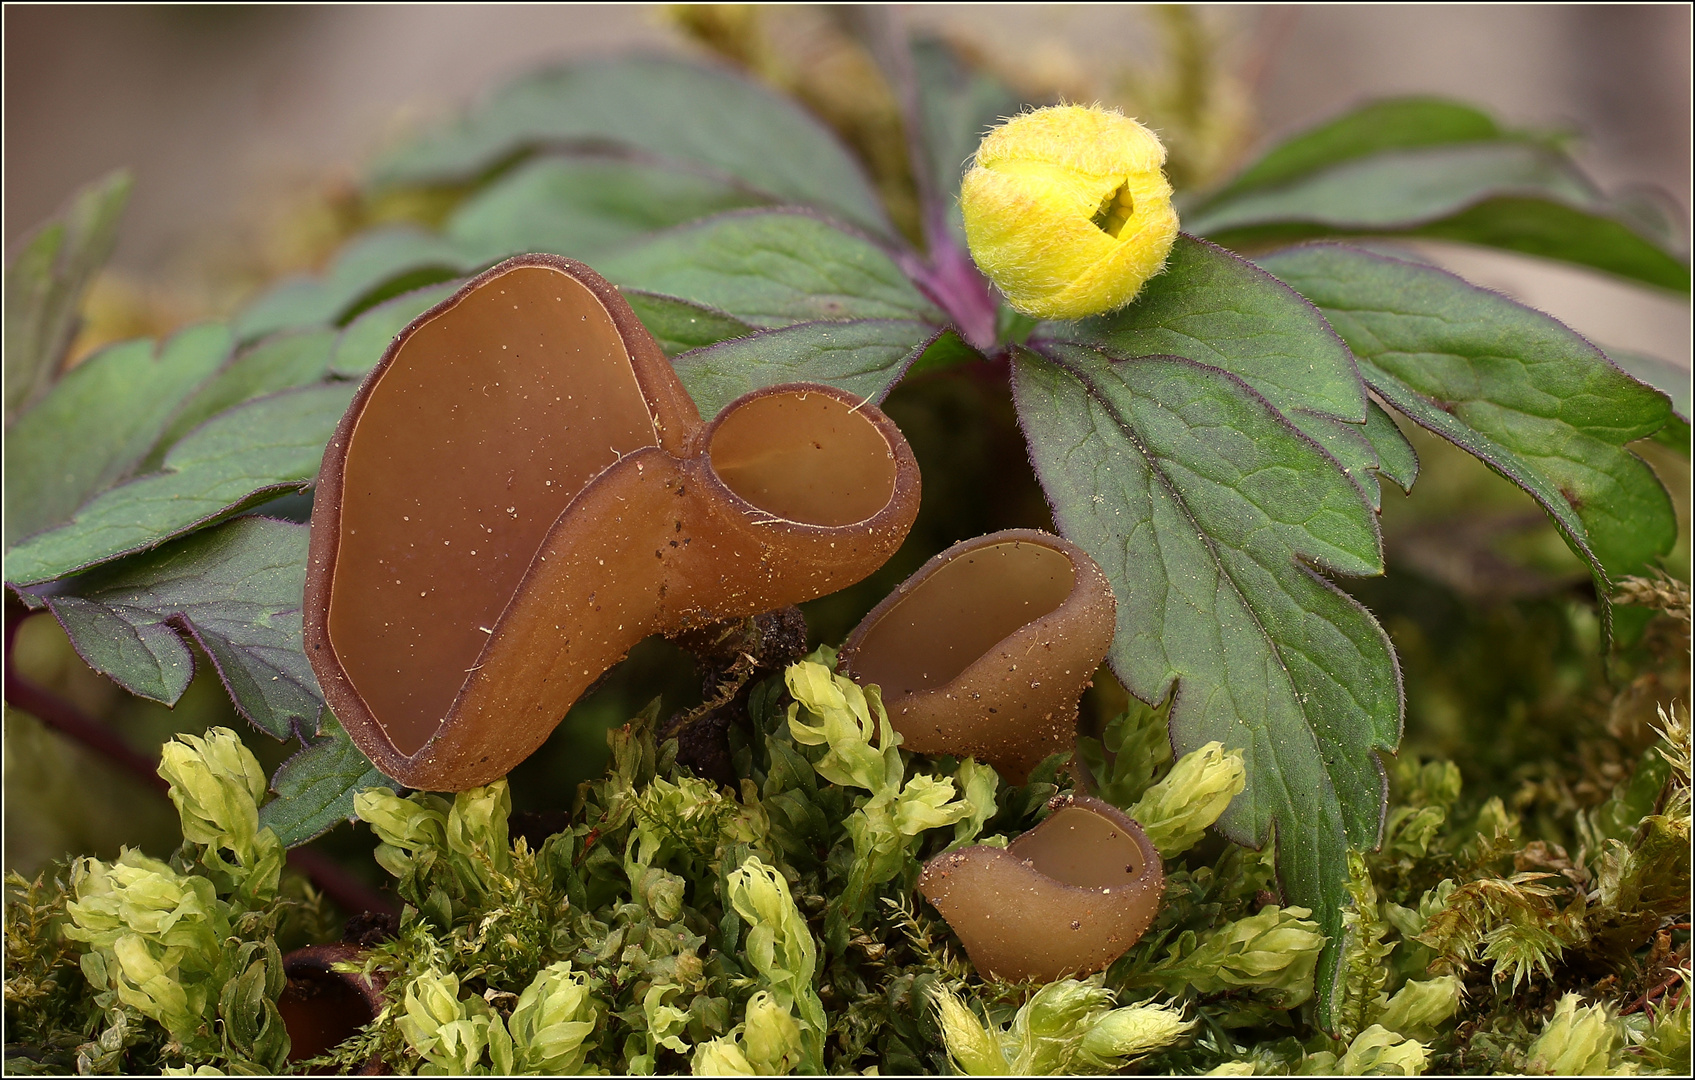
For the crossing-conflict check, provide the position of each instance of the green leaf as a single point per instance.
(1675, 435)
(1515, 387)
(1218, 309)
(45, 283)
(579, 206)
(1396, 124)
(234, 590)
(660, 107)
(958, 103)
(364, 339)
(1209, 512)
(771, 268)
(99, 422)
(235, 461)
(678, 325)
(379, 264)
(1396, 189)
(1551, 230)
(283, 362)
(1396, 458)
(1668, 378)
(315, 788)
(1512, 195)
(865, 358)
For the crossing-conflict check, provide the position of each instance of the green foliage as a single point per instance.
(1138, 741)
(1274, 952)
(179, 960)
(887, 827)
(1214, 446)
(701, 119)
(240, 459)
(98, 423)
(1139, 447)
(316, 787)
(544, 1034)
(582, 206)
(1430, 168)
(1535, 401)
(1066, 1028)
(234, 590)
(380, 264)
(44, 285)
(673, 925)
(1176, 811)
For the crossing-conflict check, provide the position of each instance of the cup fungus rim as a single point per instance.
(905, 464)
(1073, 599)
(1151, 871)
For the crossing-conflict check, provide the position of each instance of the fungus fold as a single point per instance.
(522, 490)
(1066, 898)
(985, 651)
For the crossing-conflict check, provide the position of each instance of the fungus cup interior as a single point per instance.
(320, 1014)
(491, 417)
(1079, 847)
(321, 1008)
(958, 613)
(804, 457)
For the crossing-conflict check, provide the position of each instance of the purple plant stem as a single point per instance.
(347, 891)
(947, 275)
(68, 720)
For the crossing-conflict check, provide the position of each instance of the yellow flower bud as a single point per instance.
(1067, 211)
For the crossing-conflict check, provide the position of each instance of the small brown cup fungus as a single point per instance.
(1066, 898)
(522, 490)
(986, 649)
(322, 1007)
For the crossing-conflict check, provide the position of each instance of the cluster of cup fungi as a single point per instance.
(522, 490)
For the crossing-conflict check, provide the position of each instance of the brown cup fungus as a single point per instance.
(522, 490)
(322, 1007)
(987, 648)
(1066, 898)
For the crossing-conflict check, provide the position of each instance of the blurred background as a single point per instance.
(247, 129)
(234, 118)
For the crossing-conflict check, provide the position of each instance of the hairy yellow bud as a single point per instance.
(1067, 211)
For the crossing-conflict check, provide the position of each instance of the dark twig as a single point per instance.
(67, 719)
(347, 891)
(1676, 961)
(1642, 1002)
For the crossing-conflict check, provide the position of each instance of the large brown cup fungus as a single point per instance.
(987, 648)
(1066, 898)
(522, 490)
